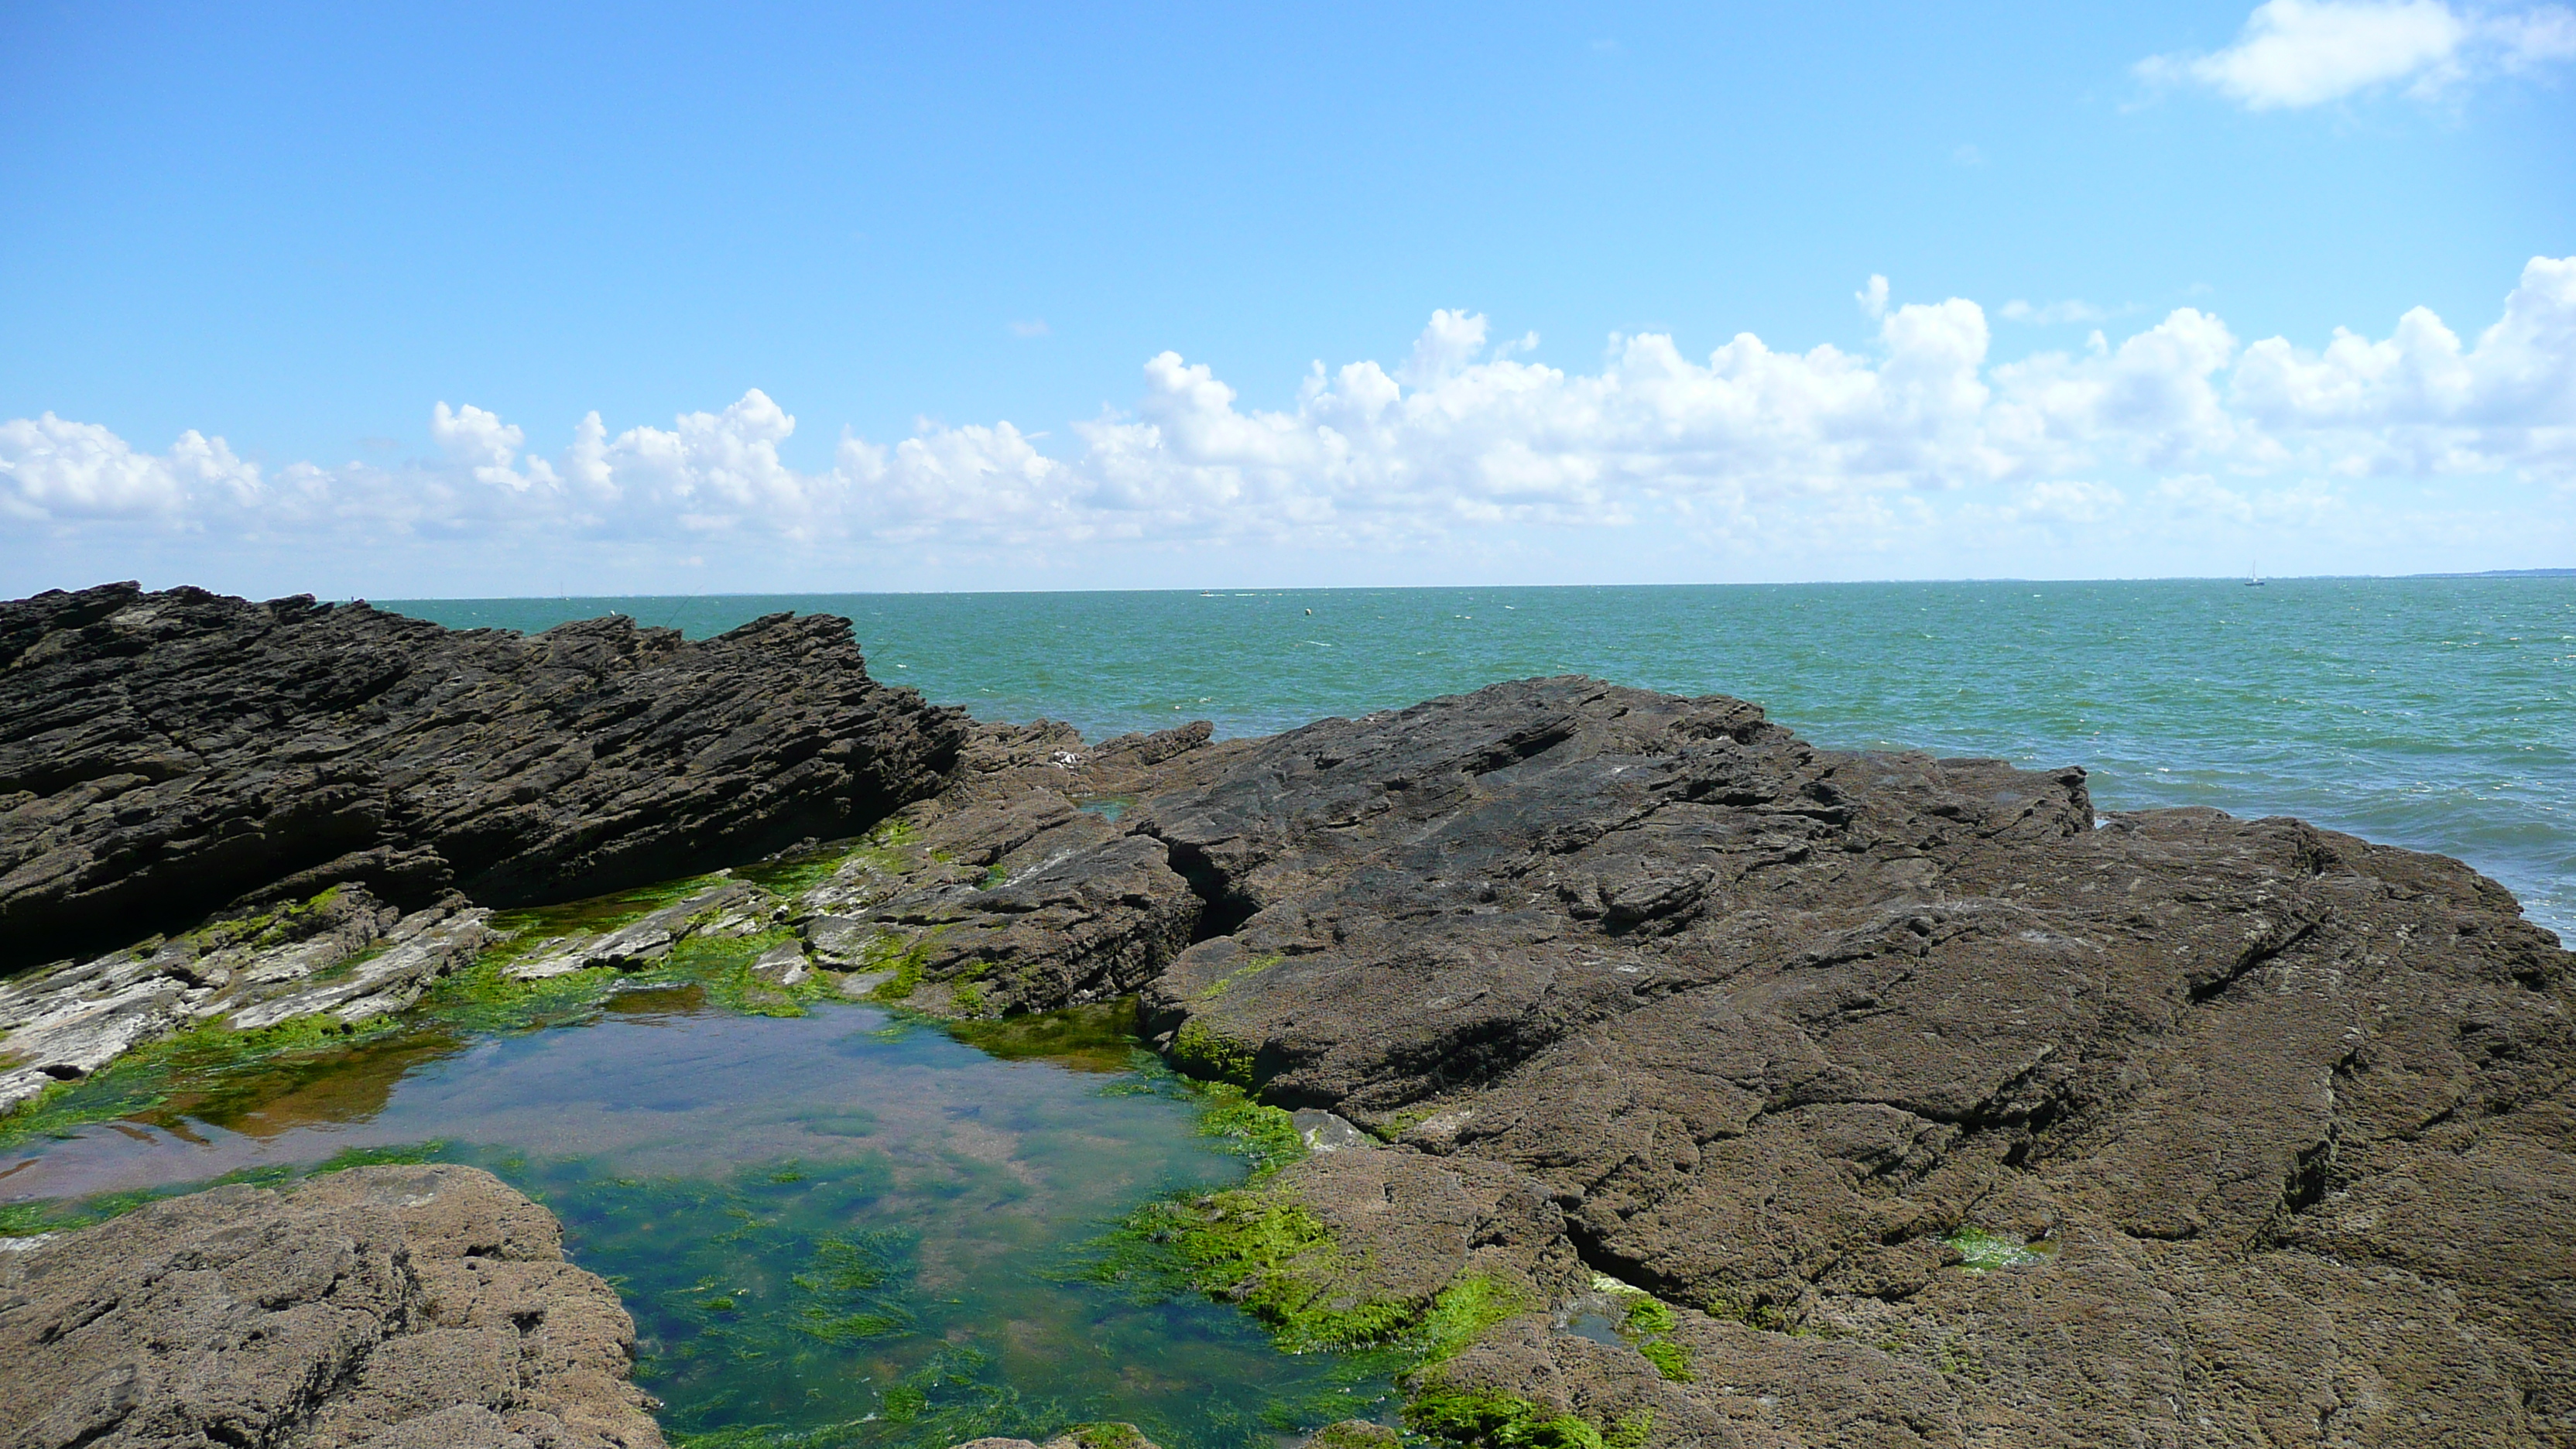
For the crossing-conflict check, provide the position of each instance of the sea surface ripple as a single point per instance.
(2438, 714)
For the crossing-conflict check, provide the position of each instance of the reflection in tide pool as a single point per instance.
(831, 1230)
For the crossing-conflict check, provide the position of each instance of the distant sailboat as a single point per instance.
(2253, 577)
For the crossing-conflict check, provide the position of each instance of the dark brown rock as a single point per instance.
(382, 1305)
(168, 755)
(2270, 1127)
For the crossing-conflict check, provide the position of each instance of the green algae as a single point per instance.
(1096, 1038)
(1108, 1436)
(1983, 1252)
(1672, 1360)
(26, 1219)
(1269, 1254)
(722, 965)
(907, 961)
(1492, 1419)
(526, 928)
(1202, 1051)
(213, 1073)
(1253, 967)
(790, 874)
(1648, 1314)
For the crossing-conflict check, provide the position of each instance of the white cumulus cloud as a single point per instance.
(1922, 434)
(52, 468)
(2295, 53)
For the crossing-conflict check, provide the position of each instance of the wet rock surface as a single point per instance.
(1934, 1108)
(391, 1306)
(344, 956)
(164, 756)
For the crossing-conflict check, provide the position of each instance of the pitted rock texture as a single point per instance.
(389, 1306)
(165, 756)
(2270, 1132)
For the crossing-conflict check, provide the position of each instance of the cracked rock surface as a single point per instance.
(1945, 1111)
(388, 1306)
(167, 756)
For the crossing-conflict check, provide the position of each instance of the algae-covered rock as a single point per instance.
(1081, 1436)
(342, 958)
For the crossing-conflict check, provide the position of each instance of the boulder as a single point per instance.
(391, 1306)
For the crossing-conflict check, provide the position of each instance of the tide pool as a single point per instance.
(839, 1229)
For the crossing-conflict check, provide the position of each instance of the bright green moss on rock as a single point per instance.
(1491, 1419)
(1649, 1315)
(1203, 1051)
(907, 961)
(1983, 1252)
(1355, 1434)
(1672, 1360)
(1267, 1252)
(1109, 1436)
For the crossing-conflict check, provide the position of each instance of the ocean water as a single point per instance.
(2438, 714)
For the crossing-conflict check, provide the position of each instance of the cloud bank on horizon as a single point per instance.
(1750, 452)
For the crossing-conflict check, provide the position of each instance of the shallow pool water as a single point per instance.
(832, 1229)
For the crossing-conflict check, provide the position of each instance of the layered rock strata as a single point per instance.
(402, 1307)
(167, 756)
(343, 956)
(1935, 1107)
(1780, 1096)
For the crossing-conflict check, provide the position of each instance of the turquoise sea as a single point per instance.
(2433, 713)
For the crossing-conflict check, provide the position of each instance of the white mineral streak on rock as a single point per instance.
(641, 943)
(65, 1023)
(782, 964)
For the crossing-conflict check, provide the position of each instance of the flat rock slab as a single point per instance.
(344, 954)
(390, 1306)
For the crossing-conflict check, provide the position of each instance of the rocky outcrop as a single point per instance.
(1932, 1107)
(1748, 1093)
(167, 756)
(403, 1307)
(343, 955)
(1016, 889)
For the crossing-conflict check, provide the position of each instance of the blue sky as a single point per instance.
(314, 233)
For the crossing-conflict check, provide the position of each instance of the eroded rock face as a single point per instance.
(168, 755)
(391, 1306)
(1948, 1112)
